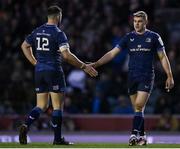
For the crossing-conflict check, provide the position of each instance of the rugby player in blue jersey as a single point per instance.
(50, 46)
(142, 45)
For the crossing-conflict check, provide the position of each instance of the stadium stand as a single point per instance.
(92, 28)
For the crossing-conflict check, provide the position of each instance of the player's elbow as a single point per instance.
(25, 46)
(113, 53)
(22, 46)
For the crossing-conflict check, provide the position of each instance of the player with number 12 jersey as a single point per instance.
(47, 39)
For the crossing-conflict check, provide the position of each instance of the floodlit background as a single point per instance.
(95, 105)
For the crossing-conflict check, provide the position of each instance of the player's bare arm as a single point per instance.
(167, 68)
(73, 60)
(26, 48)
(107, 57)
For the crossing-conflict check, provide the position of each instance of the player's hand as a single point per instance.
(34, 62)
(169, 84)
(93, 64)
(90, 70)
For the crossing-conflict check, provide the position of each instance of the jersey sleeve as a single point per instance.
(123, 42)
(29, 38)
(159, 45)
(62, 41)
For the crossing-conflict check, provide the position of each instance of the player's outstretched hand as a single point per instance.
(169, 84)
(90, 70)
(93, 64)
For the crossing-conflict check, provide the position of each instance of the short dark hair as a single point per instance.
(54, 10)
(141, 14)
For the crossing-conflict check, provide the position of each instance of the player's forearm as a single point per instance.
(107, 57)
(73, 60)
(28, 54)
(103, 60)
(166, 66)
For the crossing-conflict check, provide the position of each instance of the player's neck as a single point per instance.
(141, 32)
(51, 22)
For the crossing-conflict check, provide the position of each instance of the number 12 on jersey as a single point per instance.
(42, 43)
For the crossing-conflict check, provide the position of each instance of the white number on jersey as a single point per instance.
(42, 43)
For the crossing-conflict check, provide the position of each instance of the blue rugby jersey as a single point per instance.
(141, 49)
(45, 41)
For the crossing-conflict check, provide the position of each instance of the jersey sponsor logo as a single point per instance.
(148, 40)
(139, 49)
(45, 34)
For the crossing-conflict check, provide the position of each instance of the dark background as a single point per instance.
(93, 27)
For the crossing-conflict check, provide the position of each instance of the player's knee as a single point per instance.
(58, 106)
(139, 107)
(43, 107)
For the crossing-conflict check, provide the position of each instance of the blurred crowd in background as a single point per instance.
(93, 27)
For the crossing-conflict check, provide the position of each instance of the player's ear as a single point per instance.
(146, 21)
(60, 17)
(57, 17)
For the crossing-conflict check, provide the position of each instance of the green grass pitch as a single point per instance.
(85, 145)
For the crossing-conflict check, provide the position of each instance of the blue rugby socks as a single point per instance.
(33, 115)
(138, 123)
(142, 133)
(56, 124)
